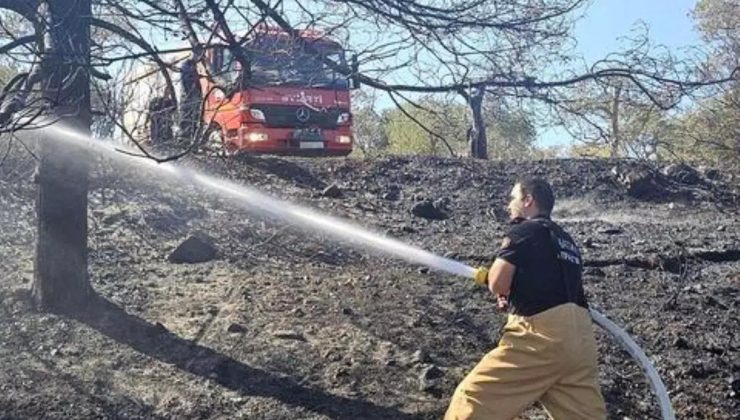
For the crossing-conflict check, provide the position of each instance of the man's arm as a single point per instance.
(500, 277)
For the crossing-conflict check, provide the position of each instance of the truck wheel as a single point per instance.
(213, 143)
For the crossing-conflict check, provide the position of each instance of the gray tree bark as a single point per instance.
(61, 280)
(616, 140)
(477, 135)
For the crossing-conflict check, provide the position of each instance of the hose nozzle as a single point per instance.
(481, 276)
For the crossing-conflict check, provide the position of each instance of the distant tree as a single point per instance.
(371, 137)
(718, 21)
(510, 131)
(431, 127)
(611, 115)
(550, 152)
(709, 132)
(477, 136)
(581, 150)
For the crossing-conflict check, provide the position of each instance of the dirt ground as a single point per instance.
(285, 324)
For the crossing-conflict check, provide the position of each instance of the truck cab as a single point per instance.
(289, 100)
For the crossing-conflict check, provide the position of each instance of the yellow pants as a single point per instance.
(550, 357)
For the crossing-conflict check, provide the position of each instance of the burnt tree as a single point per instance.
(60, 272)
(477, 139)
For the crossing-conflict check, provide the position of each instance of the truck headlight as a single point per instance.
(344, 139)
(344, 118)
(257, 114)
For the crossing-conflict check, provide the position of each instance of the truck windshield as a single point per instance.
(278, 61)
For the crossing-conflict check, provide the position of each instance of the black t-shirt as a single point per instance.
(189, 79)
(548, 267)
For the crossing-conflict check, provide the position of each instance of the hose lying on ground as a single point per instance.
(666, 410)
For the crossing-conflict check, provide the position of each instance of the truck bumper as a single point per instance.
(284, 142)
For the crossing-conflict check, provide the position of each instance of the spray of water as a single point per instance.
(255, 201)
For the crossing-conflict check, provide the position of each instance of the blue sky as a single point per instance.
(601, 31)
(606, 21)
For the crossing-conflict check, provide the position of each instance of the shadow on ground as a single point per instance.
(155, 341)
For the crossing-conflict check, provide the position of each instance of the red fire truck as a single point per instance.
(290, 100)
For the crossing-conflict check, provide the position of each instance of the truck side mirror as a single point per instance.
(355, 76)
(245, 74)
(217, 59)
(248, 70)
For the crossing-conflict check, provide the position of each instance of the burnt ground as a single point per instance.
(284, 324)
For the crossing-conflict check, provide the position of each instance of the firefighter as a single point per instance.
(160, 121)
(191, 96)
(547, 351)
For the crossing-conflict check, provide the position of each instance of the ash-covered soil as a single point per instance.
(286, 324)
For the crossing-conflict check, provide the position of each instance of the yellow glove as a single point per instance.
(481, 276)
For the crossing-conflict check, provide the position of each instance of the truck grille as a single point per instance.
(290, 116)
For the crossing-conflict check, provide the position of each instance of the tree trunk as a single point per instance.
(616, 134)
(61, 280)
(477, 134)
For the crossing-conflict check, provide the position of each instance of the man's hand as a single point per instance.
(502, 302)
(481, 276)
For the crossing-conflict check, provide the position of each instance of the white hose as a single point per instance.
(666, 409)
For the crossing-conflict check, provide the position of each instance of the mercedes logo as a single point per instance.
(303, 114)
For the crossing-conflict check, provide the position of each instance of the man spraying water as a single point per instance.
(548, 342)
(547, 352)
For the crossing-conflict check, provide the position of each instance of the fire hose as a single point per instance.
(340, 229)
(666, 409)
(621, 336)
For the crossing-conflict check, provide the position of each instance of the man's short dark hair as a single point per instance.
(541, 191)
